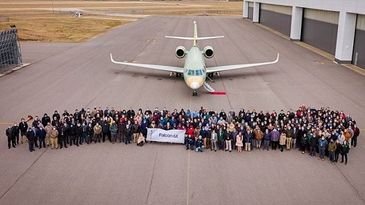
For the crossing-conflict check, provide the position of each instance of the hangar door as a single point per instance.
(358, 57)
(276, 17)
(319, 29)
(250, 10)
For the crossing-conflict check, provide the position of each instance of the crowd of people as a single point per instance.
(325, 132)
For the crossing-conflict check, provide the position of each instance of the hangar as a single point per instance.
(334, 26)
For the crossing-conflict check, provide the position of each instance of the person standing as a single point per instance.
(275, 135)
(322, 145)
(248, 139)
(332, 150)
(53, 137)
(258, 137)
(48, 129)
(214, 139)
(9, 135)
(338, 150)
(78, 134)
(239, 142)
(228, 142)
(105, 127)
(356, 134)
(345, 150)
(113, 132)
(221, 136)
(30, 136)
(72, 134)
(282, 141)
(97, 132)
(41, 135)
(62, 134)
(15, 133)
(128, 132)
(23, 127)
(267, 139)
(313, 143)
(289, 137)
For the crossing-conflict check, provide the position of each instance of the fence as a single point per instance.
(10, 55)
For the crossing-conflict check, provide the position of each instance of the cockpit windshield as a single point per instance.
(195, 72)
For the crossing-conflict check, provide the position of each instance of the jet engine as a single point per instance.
(180, 52)
(208, 52)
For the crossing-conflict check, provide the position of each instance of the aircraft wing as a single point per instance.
(150, 66)
(239, 66)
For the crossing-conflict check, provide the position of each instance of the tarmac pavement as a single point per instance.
(70, 76)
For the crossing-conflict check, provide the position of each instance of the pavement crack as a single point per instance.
(151, 181)
(20, 176)
(356, 191)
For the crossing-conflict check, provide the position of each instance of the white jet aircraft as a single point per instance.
(194, 71)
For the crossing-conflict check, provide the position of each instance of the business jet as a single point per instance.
(195, 71)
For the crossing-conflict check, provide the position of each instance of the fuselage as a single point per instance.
(194, 68)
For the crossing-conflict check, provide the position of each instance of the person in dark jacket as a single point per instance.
(105, 127)
(113, 131)
(45, 119)
(338, 150)
(199, 144)
(78, 134)
(62, 134)
(275, 136)
(72, 134)
(313, 142)
(322, 146)
(41, 134)
(89, 133)
(15, 132)
(267, 138)
(128, 132)
(9, 134)
(23, 127)
(354, 137)
(30, 136)
(344, 151)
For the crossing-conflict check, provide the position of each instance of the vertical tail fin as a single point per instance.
(195, 37)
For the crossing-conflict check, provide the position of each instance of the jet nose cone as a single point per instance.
(195, 85)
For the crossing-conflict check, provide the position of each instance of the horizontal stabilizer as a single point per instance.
(192, 38)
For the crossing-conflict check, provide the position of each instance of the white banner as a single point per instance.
(160, 135)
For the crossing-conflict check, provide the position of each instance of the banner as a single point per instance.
(160, 135)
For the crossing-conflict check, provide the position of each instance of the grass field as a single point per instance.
(54, 21)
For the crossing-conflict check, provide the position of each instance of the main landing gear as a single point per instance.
(195, 93)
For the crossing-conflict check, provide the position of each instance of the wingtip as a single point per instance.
(111, 57)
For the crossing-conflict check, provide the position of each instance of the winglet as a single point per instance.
(277, 58)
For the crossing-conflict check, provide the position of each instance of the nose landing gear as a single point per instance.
(195, 93)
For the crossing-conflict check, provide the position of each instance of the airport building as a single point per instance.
(335, 26)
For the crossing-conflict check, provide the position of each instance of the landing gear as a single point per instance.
(195, 93)
(210, 75)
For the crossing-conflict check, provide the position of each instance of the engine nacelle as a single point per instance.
(180, 52)
(208, 52)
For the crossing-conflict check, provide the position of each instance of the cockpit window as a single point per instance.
(195, 72)
(198, 72)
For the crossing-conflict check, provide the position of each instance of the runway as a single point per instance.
(70, 76)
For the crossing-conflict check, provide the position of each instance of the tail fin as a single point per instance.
(195, 38)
